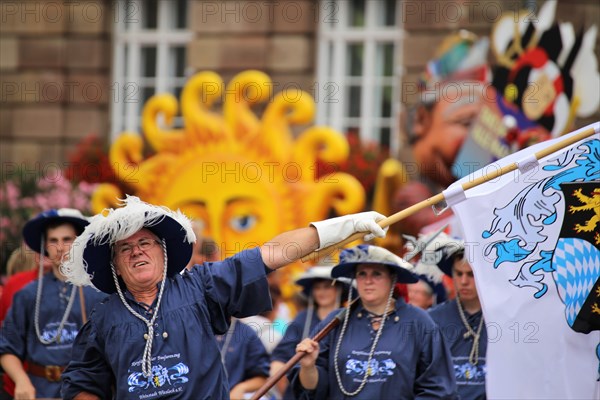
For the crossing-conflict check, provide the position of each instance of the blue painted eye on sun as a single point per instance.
(243, 223)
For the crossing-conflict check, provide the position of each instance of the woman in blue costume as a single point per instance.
(384, 348)
(323, 296)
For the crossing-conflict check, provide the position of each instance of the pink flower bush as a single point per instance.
(22, 197)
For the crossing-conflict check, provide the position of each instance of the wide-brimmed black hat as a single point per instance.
(367, 254)
(35, 228)
(91, 253)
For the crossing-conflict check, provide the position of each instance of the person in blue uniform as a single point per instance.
(45, 316)
(154, 337)
(323, 296)
(245, 358)
(383, 348)
(461, 321)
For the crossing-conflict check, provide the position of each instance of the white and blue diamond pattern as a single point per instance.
(577, 266)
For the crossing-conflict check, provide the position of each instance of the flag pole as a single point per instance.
(273, 379)
(431, 201)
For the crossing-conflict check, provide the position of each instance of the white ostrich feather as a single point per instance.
(113, 225)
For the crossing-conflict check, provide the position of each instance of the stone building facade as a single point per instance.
(56, 57)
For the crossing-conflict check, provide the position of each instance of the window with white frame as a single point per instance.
(359, 51)
(150, 39)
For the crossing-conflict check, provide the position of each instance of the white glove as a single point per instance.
(334, 230)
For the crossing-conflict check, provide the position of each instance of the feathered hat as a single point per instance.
(307, 279)
(91, 253)
(367, 254)
(34, 229)
(437, 255)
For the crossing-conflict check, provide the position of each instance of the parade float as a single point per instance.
(484, 98)
(244, 178)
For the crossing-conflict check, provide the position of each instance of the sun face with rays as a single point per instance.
(240, 201)
(246, 179)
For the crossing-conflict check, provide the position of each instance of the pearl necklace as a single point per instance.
(474, 354)
(147, 355)
(227, 341)
(309, 316)
(368, 371)
(38, 300)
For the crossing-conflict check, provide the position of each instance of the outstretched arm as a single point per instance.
(293, 245)
(289, 247)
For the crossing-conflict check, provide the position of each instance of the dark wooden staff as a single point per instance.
(273, 379)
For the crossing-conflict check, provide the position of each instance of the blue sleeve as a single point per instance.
(92, 298)
(322, 389)
(320, 392)
(286, 348)
(13, 337)
(434, 377)
(88, 370)
(257, 358)
(236, 286)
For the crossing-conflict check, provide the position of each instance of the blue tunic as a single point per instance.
(245, 356)
(186, 364)
(286, 348)
(411, 360)
(18, 331)
(470, 379)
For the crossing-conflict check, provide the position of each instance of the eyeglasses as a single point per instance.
(143, 244)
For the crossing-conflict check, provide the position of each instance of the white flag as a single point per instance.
(532, 282)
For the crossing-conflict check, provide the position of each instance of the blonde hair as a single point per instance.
(21, 259)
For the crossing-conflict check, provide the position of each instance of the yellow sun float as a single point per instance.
(246, 179)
